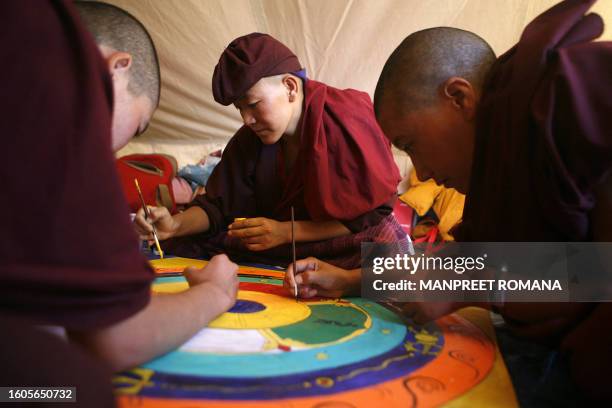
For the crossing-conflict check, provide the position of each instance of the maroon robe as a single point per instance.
(543, 144)
(69, 255)
(344, 171)
(33, 357)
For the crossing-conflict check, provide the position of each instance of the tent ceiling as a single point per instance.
(343, 43)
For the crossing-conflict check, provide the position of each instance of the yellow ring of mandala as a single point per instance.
(279, 311)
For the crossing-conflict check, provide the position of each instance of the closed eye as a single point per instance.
(140, 131)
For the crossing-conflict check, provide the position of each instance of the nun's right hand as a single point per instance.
(165, 225)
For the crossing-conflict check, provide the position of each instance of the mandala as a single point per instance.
(271, 350)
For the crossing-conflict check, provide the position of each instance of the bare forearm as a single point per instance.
(167, 322)
(307, 231)
(194, 220)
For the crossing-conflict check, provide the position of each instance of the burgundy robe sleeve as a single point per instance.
(69, 253)
(576, 97)
(371, 218)
(543, 137)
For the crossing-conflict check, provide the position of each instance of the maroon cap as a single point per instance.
(245, 61)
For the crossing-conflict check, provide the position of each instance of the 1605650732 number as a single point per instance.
(37, 394)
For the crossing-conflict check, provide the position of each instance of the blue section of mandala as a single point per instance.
(246, 306)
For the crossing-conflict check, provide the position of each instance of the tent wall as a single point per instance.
(343, 43)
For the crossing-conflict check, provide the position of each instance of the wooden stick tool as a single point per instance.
(148, 215)
(295, 288)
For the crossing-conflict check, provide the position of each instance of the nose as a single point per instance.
(248, 118)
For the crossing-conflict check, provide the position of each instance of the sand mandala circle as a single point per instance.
(269, 349)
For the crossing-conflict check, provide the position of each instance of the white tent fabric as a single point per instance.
(343, 43)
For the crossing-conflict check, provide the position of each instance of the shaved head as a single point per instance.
(115, 28)
(414, 73)
(427, 97)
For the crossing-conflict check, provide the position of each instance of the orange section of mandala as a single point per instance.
(177, 265)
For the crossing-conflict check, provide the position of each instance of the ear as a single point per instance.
(462, 95)
(291, 85)
(119, 63)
